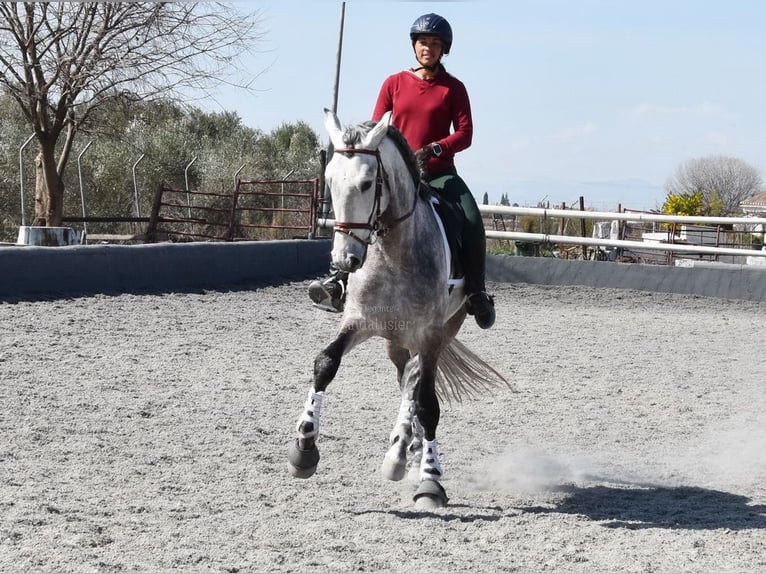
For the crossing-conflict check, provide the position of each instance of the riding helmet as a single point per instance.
(432, 24)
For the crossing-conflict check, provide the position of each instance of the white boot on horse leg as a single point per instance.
(303, 455)
(415, 451)
(430, 493)
(394, 465)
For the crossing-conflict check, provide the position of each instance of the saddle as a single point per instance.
(451, 215)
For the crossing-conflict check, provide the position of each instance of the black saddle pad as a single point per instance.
(452, 216)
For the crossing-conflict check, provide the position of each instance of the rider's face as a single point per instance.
(428, 50)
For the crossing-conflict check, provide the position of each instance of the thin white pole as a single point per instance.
(338, 59)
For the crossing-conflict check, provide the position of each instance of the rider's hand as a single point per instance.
(424, 154)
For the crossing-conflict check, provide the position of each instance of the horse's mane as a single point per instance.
(354, 134)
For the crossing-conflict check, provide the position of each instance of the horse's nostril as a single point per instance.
(353, 262)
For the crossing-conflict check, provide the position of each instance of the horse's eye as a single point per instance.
(365, 186)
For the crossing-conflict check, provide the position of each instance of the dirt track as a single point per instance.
(149, 433)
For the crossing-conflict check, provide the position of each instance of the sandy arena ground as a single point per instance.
(149, 433)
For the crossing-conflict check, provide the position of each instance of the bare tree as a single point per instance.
(62, 60)
(723, 182)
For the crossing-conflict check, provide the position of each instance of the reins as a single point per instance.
(375, 222)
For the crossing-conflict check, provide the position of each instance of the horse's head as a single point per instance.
(355, 176)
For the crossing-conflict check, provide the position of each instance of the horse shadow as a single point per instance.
(632, 508)
(489, 514)
(680, 507)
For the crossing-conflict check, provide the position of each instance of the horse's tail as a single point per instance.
(461, 373)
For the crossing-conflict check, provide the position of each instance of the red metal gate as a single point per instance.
(255, 210)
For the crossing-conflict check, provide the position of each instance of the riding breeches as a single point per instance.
(451, 187)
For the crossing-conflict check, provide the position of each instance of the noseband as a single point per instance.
(375, 223)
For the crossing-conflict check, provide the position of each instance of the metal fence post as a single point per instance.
(135, 186)
(236, 174)
(284, 177)
(21, 178)
(82, 193)
(186, 184)
(234, 221)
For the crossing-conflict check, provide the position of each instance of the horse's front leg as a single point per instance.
(395, 461)
(303, 455)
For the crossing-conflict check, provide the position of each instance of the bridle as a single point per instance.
(376, 223)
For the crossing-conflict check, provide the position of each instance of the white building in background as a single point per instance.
(754, 206)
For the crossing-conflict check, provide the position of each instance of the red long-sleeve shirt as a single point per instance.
(426, 110)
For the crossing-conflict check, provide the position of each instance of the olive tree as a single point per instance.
(723, 183)
(61, 61)
(13, 132)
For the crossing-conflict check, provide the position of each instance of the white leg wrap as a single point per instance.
(311, 410)
(430, 469)
(403, 422)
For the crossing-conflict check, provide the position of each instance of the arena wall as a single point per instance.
(32, 272)
(27, 271)
(706, 279)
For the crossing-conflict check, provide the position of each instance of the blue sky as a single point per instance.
(598, 98)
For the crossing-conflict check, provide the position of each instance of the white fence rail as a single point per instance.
(612, 216)
(642, 245)
(621, 216)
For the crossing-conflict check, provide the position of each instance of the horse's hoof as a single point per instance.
(393, 469)
(430, 495)
(302, 463)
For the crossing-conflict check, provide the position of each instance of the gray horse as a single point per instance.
(387, 235)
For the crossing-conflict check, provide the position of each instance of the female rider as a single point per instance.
(432, 111)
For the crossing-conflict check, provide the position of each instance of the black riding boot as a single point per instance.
(330, 294)
(480, 304)
(482, 307)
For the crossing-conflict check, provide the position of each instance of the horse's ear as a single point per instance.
(375, 136)
(332, 125)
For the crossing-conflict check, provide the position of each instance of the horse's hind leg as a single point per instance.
(395, 462)
(430, 493)
(303, 455)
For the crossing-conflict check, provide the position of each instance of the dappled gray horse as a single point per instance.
(387, 235)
